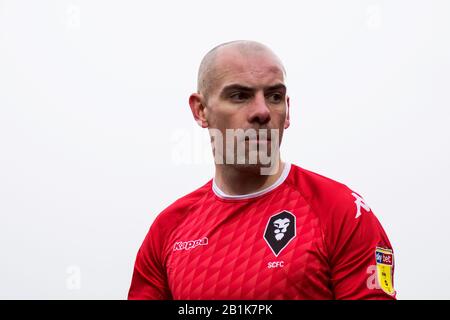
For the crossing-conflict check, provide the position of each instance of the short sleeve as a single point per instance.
(149, 281)
(361, 256)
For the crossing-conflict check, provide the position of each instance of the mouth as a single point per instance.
(258, 139)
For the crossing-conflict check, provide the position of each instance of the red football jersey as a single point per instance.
(305, 237)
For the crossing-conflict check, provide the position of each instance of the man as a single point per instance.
(261, 229)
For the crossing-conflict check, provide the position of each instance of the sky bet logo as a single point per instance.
(384, 258)
(191, 244)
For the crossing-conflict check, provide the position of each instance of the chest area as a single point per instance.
(256, 250)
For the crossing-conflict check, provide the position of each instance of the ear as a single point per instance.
(287, 122)
(198, 109)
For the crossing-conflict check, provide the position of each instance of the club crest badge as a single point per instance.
(280, 230)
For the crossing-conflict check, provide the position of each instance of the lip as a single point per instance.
(258, 140)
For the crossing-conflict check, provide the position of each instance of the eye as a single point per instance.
(239, 96)
(275, 97)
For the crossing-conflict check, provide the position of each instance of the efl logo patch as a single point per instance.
(385, 264)
(280, 230)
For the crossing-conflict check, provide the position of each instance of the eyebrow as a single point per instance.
(240, 87)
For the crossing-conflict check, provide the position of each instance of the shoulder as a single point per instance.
(172, 215)
(153, 248)
(328, 198)
(342, 213)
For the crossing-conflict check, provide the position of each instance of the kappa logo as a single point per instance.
(280, 230)
(360, 202)
(191, 244)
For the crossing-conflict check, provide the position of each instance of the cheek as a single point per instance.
(222, 119)
(280, 118)
(282, 123)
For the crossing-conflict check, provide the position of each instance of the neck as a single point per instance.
(239, 180)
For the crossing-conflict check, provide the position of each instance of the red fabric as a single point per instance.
(332, 255)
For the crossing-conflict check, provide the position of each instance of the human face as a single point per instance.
(248, 92)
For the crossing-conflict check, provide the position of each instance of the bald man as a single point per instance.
(261, 228)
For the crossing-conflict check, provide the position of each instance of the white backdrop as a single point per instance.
(96, 135)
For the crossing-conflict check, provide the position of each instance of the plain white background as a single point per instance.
(96, 136)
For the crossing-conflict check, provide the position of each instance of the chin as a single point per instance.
(253, 162)
(249, 168)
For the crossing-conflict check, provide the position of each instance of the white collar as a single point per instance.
(280, 180)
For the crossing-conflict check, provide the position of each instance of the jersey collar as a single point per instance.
(280, 180)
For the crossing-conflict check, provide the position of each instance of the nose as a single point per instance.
(259, 111)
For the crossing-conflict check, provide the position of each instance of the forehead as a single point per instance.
(256, 69)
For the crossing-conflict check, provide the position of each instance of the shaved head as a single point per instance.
(242, 87)
(211, 64)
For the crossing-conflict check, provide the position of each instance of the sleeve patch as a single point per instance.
(385, 263)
